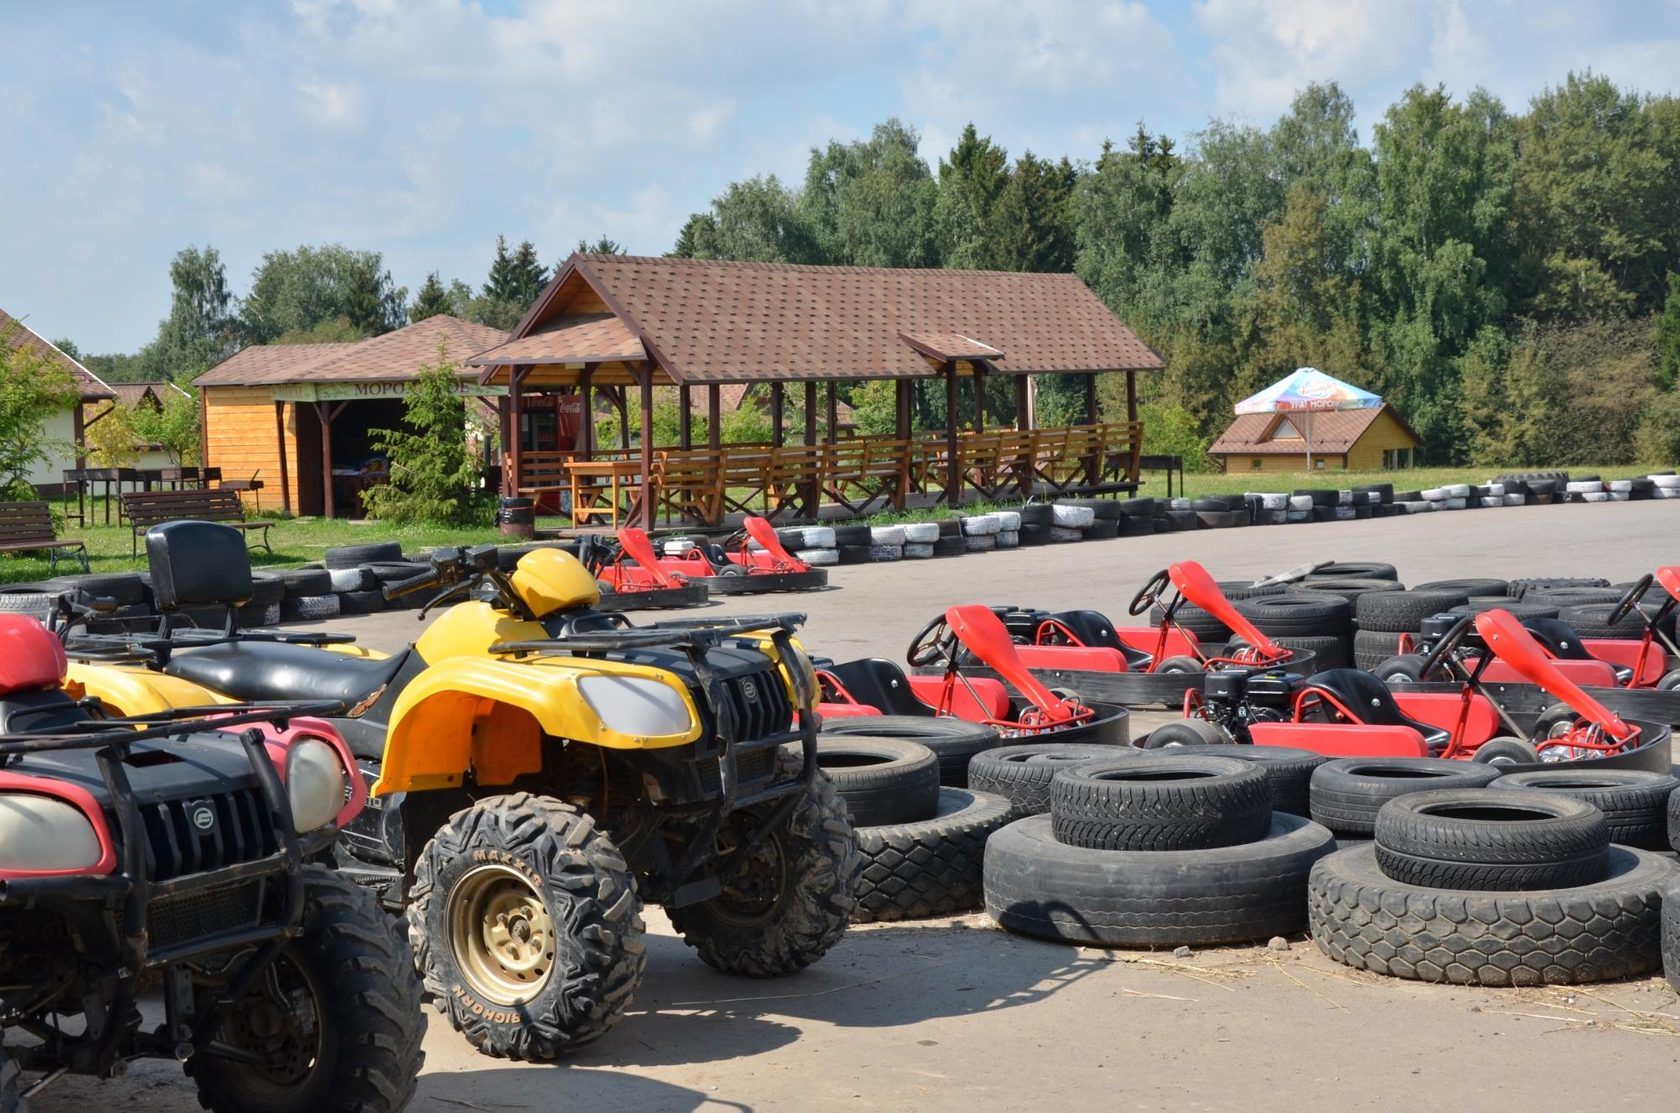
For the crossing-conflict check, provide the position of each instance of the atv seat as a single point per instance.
(258, 671)
(1369, 698)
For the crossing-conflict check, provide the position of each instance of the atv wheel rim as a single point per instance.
(501, 933)
(279, 1022)
(754, 888)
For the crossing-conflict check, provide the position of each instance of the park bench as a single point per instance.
(146, 509)
(27, 527)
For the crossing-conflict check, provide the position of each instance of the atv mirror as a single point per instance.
(198, 562)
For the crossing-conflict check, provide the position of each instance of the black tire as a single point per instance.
(1328, 652)
(1351, 589)
(1103, 529)
(1406, 668)
(351, 556)
(1299, 614)
(1355, 570)
(255, 616)
(578, 878)
(851, 535)
(353, 969)
(953, 741)
(1519, 609)
(1180, 733)
(1022, 774)
(914, 871)
(1402, 612)
(1546, 583)
(1506, 750)
(1372, 647)
(1475, 838)
(859, 554)
(309, 608)
(1143, 898)
(304, 581)
(1670, 941)
(1593, 621)
(11, 1089)
(790, 901)
(1205, 626)
(1565, 597)
(1037, 514)
(1348, 792)
(1321, 496)
(395, 571)
(360, 602)
(37, 604)
(1106, 510)
(1635, 803)
(1609, 929)
(882, 780)
(125, 589)
(1466, 589)
(1164, 802)
(1221, 519)
(266, 590)
(1289, 771)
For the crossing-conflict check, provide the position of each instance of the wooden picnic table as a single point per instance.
(599, 488)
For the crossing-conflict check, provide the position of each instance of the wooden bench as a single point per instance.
(27, 527)
(146, 509)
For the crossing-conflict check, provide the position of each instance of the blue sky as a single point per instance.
(422, 128)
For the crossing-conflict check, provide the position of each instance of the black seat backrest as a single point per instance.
(1558, 637)
(880, 683)
(1093, 628)
(1368, 697)
(198, 562)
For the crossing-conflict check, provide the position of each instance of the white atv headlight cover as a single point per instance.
(316, 784)
(635, 705)
(41, 834)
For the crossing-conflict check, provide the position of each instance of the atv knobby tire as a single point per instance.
(366, 998)
(882, 780)
(580, 884)
(914, 871)
(1606, 930)
(1152, 898)
(789, 901)
(1482, 839)
(1024, 773)
(1163, 802)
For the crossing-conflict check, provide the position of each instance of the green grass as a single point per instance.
(1406, 479)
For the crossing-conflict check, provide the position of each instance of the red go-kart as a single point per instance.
(638, 578)
(743, 570)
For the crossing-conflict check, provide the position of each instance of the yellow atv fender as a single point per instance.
(491, 715)
(127, 690)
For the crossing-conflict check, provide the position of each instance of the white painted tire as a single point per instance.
(1435, 494)
(1184, 504)
(1595, 496)
(1457, 490)
(1063, 533)
(1009, 519)
(1298, 516)
(1272, 501)
(677, 546)
(1455, 503)
(1620, 496)
(1515, 500)
(1345, 514)
(980, 542)
(816, 558)
(916, 550)
(1344, 498)
(1620, 486)
(1072, 517)
(982, 525)
(1584, 487)
(1666, 492)
(1496, 489)
(921, 533)
(817, 537)
(887, 535)
(1666, 482)
(1491, 501)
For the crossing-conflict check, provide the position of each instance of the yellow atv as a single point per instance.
(541, 768)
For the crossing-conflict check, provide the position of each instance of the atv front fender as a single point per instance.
(491, 716)
(130, 690)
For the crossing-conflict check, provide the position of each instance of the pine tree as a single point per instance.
(434, 477)
(432, 300)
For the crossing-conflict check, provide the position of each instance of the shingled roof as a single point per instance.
(395, 356)
(710, 321)
(90, 386)
(1333, 432)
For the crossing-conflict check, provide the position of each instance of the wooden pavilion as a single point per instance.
(621, 323)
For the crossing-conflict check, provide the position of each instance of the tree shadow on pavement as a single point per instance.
(685, 1012)
(564, 1090)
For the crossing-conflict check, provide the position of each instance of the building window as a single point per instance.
(1254, 463)
(1284, 430)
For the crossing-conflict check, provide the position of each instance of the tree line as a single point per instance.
(1507, 281)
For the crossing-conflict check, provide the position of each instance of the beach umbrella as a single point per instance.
(1303, 391)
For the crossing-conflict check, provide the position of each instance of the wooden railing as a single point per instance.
(866, 474)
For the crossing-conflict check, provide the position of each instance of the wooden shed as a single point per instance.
(1348, 440)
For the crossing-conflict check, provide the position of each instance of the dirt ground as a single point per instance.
(959, 1016)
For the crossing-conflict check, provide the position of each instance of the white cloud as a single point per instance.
(706, 123)
(333, 103)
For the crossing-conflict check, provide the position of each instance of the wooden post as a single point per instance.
(586, 415)
(833, 414)
(624, 418)
(204, 429)
(777, 407)
(714, 418)
(1131, 396)
(516, 438)
(979, 387)
(646, 378)
(811, 413)
(901, 408)
(280, 443)
(326, 413)
(1091, 398)
(1023, 402)
(685, 418)
(953, 467)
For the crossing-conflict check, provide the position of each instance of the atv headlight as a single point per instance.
(40, 834)
(315, 783)
(636, 706)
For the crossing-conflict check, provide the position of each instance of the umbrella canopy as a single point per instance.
(1304, 390)
(1308, 388)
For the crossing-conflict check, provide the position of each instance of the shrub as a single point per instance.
(434, 477)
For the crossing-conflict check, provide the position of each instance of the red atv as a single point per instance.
(875, 687)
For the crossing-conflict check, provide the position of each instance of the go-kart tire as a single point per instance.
(914, 871)
(1372, 647)
(691, 594)
(1288, 770)
(580, 880)
(859, 554)
(1635, 803)
(1504, 750)
(1606, 930)
(812, 865)
(1593, 621)
(309, 608)
(1466, 589)
(882, 780)
(304, 581)
(1402, 612)
(950, 546)
(1475, 838)
(1354, 570)
(1147, 898)
(1023, 773)
(1519, 609)
(1164, 802)
(1348, 792)
(1181, 733)
(352, 556)
(366, 998)
(395, 571)
(953, 741)
(1405, 668)
(1299, 614)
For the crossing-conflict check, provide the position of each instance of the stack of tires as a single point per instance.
(1070, 522)
(886, 543)
(921, 831)
(1155, 849)
(1106, 517)
(1304, 619)
(1479, 886)
(1209, 630)
(1383, 618)
(982, 531)
(815, 545)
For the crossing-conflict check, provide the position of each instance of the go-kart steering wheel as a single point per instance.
(1624, 606)
(934, 645)
(1449, 642)
(1149, 593)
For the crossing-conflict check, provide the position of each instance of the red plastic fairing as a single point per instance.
(1515, 646)
(1079, 658)
(649, 571)
(979, 699)
(30, 656)
(845, 710)
(1441, 709)
(988, 639)
(781, 560)
(1194, 583)
(1342, 739)
(1647, 659)
(1179, 643)
(1596, 674)
(80, 799)
(1669, 578)
(278, 741)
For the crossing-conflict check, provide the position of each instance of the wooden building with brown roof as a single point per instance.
(64, 431)
(1350, 440)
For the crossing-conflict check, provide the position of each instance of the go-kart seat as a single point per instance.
(1093, 628)
(880, 683)
(257, 671)
(1561, 641)
(1369, 698)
